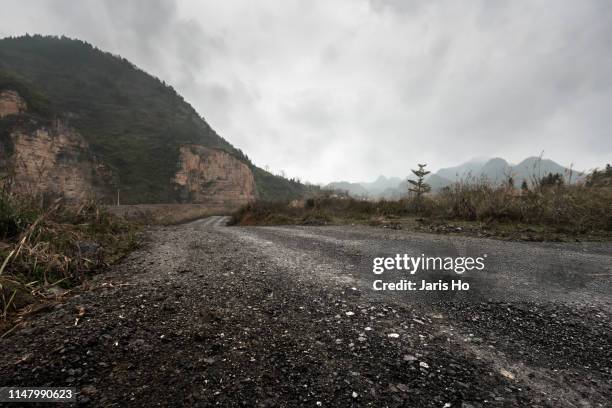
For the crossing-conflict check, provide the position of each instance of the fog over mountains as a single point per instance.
(495, 170)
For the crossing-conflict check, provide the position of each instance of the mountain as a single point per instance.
(381, 184)
(352, 189)
(154, 147)
(495, 170)
(382, 187)
(534, 168)
(437, 182)
(388, 188)
(460, 172)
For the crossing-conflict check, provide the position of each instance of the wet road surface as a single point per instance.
(206, 314)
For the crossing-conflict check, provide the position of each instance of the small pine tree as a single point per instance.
(524, 186)
(419, 185)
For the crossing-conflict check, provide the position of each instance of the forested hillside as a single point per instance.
(133, 121)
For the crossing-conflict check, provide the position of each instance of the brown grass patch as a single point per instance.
(44, 252)
(567, 210)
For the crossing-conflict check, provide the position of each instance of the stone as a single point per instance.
(11, 103)
(55, 161)
(213, 177)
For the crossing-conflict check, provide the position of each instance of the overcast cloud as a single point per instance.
(347, 89)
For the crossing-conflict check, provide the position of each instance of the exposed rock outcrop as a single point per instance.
(11, 103)
(213, 177)
(53, 161)
(47, 159)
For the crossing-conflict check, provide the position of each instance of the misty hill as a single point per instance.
(534, 168)
(134, 123)
(381, 185)
(437, 182)
(495, 170)
(461, 171)
(352, 189)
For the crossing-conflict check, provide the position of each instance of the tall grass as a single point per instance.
(566, 208)
(57, 246)
(572, 208)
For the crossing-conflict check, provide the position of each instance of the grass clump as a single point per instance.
(567, 208)
(46, 250)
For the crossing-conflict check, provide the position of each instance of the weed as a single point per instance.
(57, 246)
(573, 209)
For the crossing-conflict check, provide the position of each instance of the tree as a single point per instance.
(552, 180)
(524, 186)
(600, 178)
(419, 185)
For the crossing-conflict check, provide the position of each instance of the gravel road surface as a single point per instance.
(209, 315)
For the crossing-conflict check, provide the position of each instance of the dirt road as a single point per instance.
(207, 315)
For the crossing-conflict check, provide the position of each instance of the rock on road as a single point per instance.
(205, 314)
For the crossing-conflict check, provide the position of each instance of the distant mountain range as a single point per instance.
(495, 170)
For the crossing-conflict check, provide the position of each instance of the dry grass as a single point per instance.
(47, 251)
(574, 210)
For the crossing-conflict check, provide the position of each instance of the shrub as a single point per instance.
(55, 246)
(566, 208)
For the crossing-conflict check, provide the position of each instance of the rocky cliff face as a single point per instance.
(49, 160)
(46, 158)
(213, 177)
(57, 162)
(11, 103)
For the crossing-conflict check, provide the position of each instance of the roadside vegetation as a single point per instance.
(45, 252)
(549, 209)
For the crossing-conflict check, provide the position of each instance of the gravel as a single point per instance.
(209, 315)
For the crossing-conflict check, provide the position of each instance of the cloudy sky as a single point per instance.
(350, 89)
